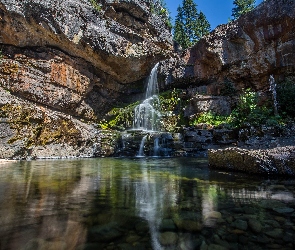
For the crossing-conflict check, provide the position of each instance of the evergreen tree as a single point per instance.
(190, 25)
(203, 25)
(180, 35)
(242, 7)
(190, 14)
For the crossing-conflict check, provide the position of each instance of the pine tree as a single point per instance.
(242, 7)
(190, 15)
(180, 35)
(204, 26)
(190, 25)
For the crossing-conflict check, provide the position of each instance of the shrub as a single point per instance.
(95, 5)
(119, 118)
(209, 118)
(248, 111)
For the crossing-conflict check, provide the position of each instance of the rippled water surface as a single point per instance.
(170, 203)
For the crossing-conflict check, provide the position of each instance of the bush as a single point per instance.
(209, 118)
(248, 111)
(95, 5)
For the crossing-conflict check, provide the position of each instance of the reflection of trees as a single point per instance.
(61, 202)
(34, 204)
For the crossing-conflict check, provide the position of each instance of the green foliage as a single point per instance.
(159, 8)
(242, 7)
(96, 5)
(119, 118)
(203, 25)
(286, 98)
(1, 55)
(171, 107)
(190, 25)
(209, 118)
(248, 111)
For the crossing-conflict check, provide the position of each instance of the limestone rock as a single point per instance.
(66, 63)
(69, 56)
(278, 160)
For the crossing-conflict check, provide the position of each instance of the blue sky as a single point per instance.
(216, 11)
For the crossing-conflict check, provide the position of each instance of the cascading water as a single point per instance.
(273, 89)
(141, 147)
(147, 114)
(156, 146)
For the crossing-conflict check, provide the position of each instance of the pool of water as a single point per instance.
(168, 203)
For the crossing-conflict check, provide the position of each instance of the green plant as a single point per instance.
(190, 25)
(159, 8)
(95, 5)
(286, 98)
(242, 7)
(209, 118)
(248, 111)
(1, 55)
(119, 118)
(171, 107)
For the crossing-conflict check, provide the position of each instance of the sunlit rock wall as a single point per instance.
(76, 59)
(244, 52)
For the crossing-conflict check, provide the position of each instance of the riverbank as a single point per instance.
(4, 161)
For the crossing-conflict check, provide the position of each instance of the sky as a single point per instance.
(216, 11)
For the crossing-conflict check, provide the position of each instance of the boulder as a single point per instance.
(279, 160)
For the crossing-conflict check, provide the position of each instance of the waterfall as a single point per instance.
(272, 88)
(156, 146)
(141, 147)
(146, 114)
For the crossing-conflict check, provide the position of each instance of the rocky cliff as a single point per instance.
(67, 62)
(243, 53)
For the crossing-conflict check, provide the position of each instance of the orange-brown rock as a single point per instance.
(246, 52)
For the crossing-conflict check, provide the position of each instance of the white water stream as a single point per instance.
(146, 115)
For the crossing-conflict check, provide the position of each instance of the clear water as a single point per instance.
(169, 203)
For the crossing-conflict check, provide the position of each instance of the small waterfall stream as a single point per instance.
(272, 88)
(147, 115)
(141, 147)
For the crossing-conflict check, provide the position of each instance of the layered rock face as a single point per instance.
(75, 58)
(244, 52)
(78, 58)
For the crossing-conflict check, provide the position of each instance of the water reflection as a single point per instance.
(141, 204)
